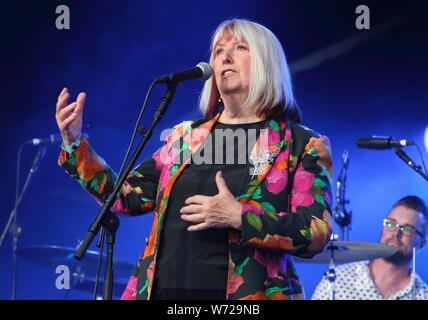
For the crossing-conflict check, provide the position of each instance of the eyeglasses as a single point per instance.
(407, 230)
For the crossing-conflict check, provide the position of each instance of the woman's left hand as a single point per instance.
(219, 211)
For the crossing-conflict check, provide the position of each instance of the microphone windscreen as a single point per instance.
(206, 70)
(374, 142)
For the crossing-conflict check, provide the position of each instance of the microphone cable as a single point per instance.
(422, 158)
(100, 243)
(137, 124)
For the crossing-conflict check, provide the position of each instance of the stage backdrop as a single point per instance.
(349, 83)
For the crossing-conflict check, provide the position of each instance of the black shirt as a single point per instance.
(194, 264)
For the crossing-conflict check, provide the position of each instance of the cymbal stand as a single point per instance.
(330, 275)
(414, 274)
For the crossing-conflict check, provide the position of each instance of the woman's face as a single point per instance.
(231, 66)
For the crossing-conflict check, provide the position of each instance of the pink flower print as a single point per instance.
(273, 136)
(234, 283)
(168, 161)
(247, 207)
(276, 179)
(273, 265)
(301, 193)
(131, 289)
(157, 157)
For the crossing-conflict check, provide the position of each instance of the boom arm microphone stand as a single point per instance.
(12, 224)
(403, 156)
(105, 217)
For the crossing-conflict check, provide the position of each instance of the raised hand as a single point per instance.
(69, 116)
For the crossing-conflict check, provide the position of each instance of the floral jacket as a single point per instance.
(281, 215)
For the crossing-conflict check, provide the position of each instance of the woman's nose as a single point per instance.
(227, 57)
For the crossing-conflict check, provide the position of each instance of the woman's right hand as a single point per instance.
(69, 116)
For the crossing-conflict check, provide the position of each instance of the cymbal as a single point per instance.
(87, 285)
(53, 256)
(350, 251)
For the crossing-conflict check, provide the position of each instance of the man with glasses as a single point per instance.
(390, 278)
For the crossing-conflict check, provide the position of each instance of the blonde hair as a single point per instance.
(270, 85)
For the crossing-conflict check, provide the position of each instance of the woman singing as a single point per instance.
(228, 216)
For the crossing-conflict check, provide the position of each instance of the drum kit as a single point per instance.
(83, 272)
(344, 252)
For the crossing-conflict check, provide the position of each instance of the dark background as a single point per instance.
(349, 84)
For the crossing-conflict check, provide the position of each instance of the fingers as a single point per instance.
(199, 227)
(67, 121)
(66, 111)
(198, 199)
(62, 100)
(63, 91)
(81, 98)
(194, 208)
(191, 214)
(200, 221)
(65, 96)
(195, 218)
(65, 114)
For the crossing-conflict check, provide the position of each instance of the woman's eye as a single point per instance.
(218, 51)
(242, 47)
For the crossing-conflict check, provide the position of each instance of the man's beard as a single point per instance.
(400, 257)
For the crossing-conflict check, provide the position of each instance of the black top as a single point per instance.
(194, 264)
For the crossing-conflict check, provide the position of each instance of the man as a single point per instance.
(388, 278)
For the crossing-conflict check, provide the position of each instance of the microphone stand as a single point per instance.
(110, 227)
(12, 222)
(402, 155)
(107, 219)
(342, 217)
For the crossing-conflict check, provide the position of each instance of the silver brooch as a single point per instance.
(261, 159)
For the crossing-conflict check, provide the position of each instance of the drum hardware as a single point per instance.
(82, 273)
(346, 251)
(342, 216)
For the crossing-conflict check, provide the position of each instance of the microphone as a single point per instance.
(202, 71)
(53, 138)
(382, 143)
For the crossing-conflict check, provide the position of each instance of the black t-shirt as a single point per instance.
(194, 264)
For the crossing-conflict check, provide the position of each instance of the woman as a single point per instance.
(222, 230)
